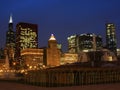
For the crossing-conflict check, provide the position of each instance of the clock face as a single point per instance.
(28, 38)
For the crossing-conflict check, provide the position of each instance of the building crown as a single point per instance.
(11, 21)
(52, 37)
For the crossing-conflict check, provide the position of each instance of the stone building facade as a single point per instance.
(33, 58)
(52, 53)
(73, 75)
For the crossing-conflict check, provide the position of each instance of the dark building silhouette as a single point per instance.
(2, 56)
(111, 37)
(26, 37)
(10, 34)
(10, 42)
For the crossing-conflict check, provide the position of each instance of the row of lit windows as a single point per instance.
(25, 28)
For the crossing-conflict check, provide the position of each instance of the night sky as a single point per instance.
(61, 17)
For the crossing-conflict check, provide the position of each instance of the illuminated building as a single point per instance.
(90, 42)
(53, 53)
(73, 43)
(10, 34)
(108, 55)
(68, 58)
(97, 56)
(84, 42)
(26, 37)
(33, 58)
(111, 37)
(10, 42)
(59, 47)
(2, 63)
(118, 51)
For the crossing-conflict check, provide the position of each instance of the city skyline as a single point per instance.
(60, 17)
(82, 49)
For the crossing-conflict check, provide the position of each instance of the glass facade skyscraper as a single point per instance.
(111, 43)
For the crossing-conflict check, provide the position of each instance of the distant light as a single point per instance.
(85, 50)
(91, 35)
(110, 58)
(14, 63)
(30, 67)
(52, 37)
(10, 21)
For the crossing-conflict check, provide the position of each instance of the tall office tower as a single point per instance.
(73, 43)
(84, 42)
(53, 53)
(10, 42)
(26, 37)
(111, 37)
(10, 34)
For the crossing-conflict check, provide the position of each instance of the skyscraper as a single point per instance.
(26, 37)
(10, 42)
(111, 37)
(10, 34)
(73, 43)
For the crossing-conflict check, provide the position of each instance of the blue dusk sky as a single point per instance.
(61, 17)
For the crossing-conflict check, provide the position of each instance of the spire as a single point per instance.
(11, 21)
(52, 37)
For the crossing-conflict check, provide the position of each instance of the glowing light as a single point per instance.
(1, 70)
(26, 73)
(35, 67)
(110, 58)
(85, 50)
(52, 37)
(10, 19)
(14, 63)
(30, 67)
(22, 71)
(32, 52)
